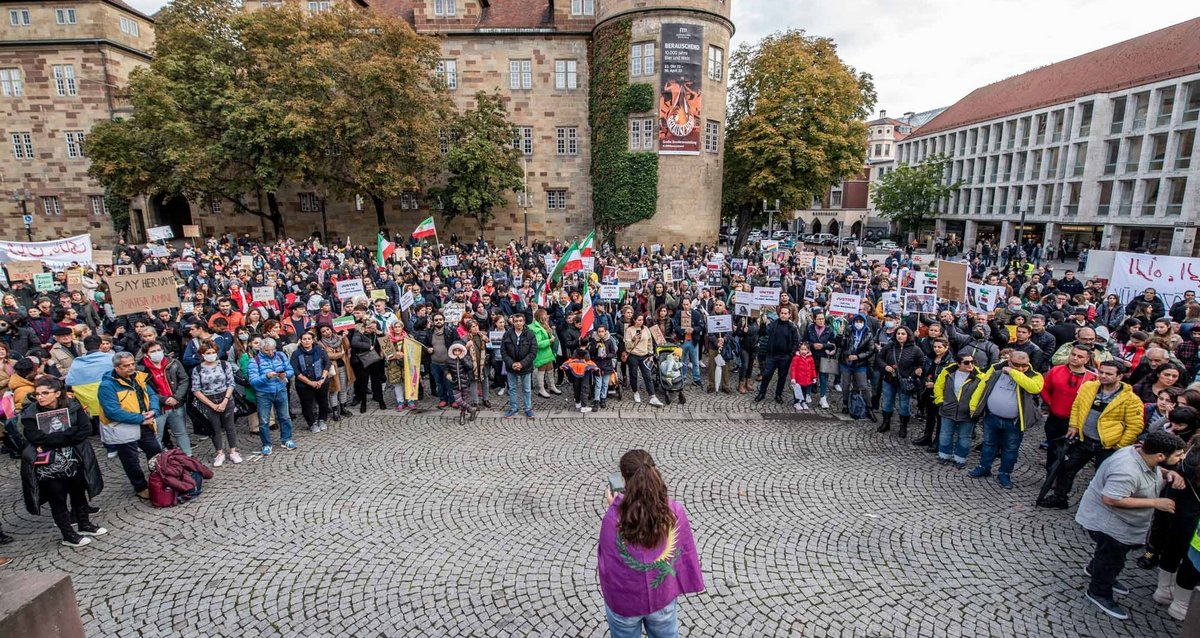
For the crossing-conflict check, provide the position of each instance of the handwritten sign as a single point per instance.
(191, 230)
(840, 263)
(720, 323)
(43, 282)
(74, 278)
(349, 288)
(246, 262)
(610, 292)
(57, 254)
(1170, 277)
(379, 293)
(263, 293)
(23, 270)
(187, 307)
(821, 265)
(406, 300)
(159, 251)
(137, 292)
(102, 258)
(185, 266)
(766, 296)
(589, 264)
(843, 303)
(159, 233)
(453, 312)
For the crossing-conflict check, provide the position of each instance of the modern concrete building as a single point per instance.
(1098, 150)
(61, 68)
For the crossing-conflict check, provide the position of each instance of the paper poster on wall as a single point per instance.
(681, 65)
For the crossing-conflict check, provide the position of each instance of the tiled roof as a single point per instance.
(400, 8)
(126, 7)
(1159, 55)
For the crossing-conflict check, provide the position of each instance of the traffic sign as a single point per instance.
(28, 220)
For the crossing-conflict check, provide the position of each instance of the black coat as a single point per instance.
(522, 351)
(74, 437)
(906, 360)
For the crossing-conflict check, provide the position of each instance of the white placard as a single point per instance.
(720, 323)
(610, 292)
(1170, 277)
(821, 265)
(453, 313)
(768, 245)
(892, 305)
(589, 264)
(159, 251)
(406, 300)
(983, 298)
(655, 248)
(766, 296)
(551, 261)
(349, 288)
(843, 303)
(449, 261)
(265, 293)
(159, 233)
(743, 297)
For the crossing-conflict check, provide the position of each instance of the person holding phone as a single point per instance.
(646, 555)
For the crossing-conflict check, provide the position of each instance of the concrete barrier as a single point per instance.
(38, 605)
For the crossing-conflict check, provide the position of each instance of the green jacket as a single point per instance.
(545, 351)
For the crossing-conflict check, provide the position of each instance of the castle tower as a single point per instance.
(680, 48)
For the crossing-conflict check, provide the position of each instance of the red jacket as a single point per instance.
(176, 469)
(1061, 386)
(804, 370)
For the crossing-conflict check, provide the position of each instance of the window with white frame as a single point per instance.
(583, 7)
(556, 200)
(448, 71)
(99, 208)
(18, 17)
(64, 16)
(712, 136)
(50, 205)
(318, 6)
(11, 84)
(565, 75)
(716, 63)
(641, 59)
(214, 205)
(523, 139)
(641, 134)
(520, 74)
(64, 79)
(568, 140)
(310, 203)
(409, 201)
(130, 27)
(835, 195)
(74, 144)
(22, 144)
(443, 142)
(445, 7)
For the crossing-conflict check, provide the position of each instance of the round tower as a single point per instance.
(680, 49)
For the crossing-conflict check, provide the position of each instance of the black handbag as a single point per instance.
(197, 412)
(242, 406)
(368, 358)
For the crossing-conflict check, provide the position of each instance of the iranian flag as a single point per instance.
(425, 229)
(589, 315)
(383, 250)
(585, 249)
(574, 260)
(543, 298)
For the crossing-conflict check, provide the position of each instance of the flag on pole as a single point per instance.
(383, 250)
(425, 229)
(543, 296)
(585, 248)
(574, 260)
(587, 314)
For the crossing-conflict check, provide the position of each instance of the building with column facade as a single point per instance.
(62, 65)
(1098, 150)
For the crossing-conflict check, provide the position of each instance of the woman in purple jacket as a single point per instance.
(646, 556)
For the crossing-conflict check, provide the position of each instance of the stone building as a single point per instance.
(61, 65)
(540, 56)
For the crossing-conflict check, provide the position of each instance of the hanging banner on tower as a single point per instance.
(679, 120)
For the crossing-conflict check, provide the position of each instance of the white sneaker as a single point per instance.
(585, 409)
(837, 386)
(824, 403)
(83, 540)
(577, 406)
(797, 406)
(501, 392)
(112, 454)
(637, 397)
(655, 402)
(219, 459)
(235, 457)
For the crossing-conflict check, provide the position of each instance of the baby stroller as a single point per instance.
(668, 372)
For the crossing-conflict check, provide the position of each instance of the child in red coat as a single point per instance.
(803, 375)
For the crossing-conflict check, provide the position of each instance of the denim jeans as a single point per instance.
(520, 386)
(892, 394)
(663, 623)
(854, 378)
(1107, 562)
(600, 386)
(174, 419)
(1003, 437)
(279, 401)
(441, 385)
(128, 453)
(954, 441)
(691, 360)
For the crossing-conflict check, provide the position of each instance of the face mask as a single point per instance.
(156, 357)
(858, 325)
(210, 357)
(889, 324)
(244, 337)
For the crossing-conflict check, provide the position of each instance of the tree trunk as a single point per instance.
(380, 217)
(275, 216)
(744, 217)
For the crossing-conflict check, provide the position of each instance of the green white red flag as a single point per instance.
(588, 314)
(585, 249)
(425, 229)
(383, 250)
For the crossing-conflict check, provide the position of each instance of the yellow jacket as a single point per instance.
(1122, 420)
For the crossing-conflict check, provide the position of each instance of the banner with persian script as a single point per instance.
(679, 122)
(58, 254)
(1170, 277)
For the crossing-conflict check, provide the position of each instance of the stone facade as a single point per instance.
(90, 44)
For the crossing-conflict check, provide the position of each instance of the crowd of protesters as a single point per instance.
(439, 326)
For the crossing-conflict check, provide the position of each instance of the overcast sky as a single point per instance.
(925, 54)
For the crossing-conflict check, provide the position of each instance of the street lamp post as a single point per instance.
(20, 196)
(525, 204)
(1021, 232)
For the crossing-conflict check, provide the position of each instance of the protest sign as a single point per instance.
(379, 293)
(840, 263)
(453, 313)
(137, 292)
(23, 270)
(920, 304)
(343, 323)
(655, 248)
(643, 274)
(952, 280)
(811, 288)
(102, 258)
(821, 265)
(191, 230)
(768, 245)
(187, 307)
(74, 278)
(766, 296)
(737, 265)
(495, 337)
(806, 257)
(56, 254)
(43, 282)
(744, 297)
(1170, 277)
(246, 262)
(627, 276)
(720, 323)
(742, 310)
(449, 261)
(589, 264)
(124, 269)
(610, 292)
(981, 298)
(609, 275)
(184, 266)
(406, 300)
(159, 251)
(349, 288)
(892, 305)
(263, 293)
(845, 304)
(159, 233)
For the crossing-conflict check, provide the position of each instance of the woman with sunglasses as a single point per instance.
(952, 393)
(58, 462)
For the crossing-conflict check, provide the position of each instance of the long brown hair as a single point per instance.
(645, 515)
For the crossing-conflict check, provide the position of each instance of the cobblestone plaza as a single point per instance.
(414, 525)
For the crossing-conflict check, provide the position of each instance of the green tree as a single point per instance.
(910, 194)
(795, 124)
(482, 162)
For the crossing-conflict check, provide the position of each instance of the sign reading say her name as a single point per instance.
(137, 292)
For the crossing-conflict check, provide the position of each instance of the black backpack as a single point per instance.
(858, 406)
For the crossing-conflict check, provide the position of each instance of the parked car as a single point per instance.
(755, 235)
(780, 234)
(886, 244)
(821, 238)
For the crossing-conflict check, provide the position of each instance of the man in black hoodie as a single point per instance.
(782, 338)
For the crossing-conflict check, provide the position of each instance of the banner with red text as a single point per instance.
(1170, 277)
(58, 254)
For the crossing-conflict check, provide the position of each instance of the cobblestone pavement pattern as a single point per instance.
(412, 525)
